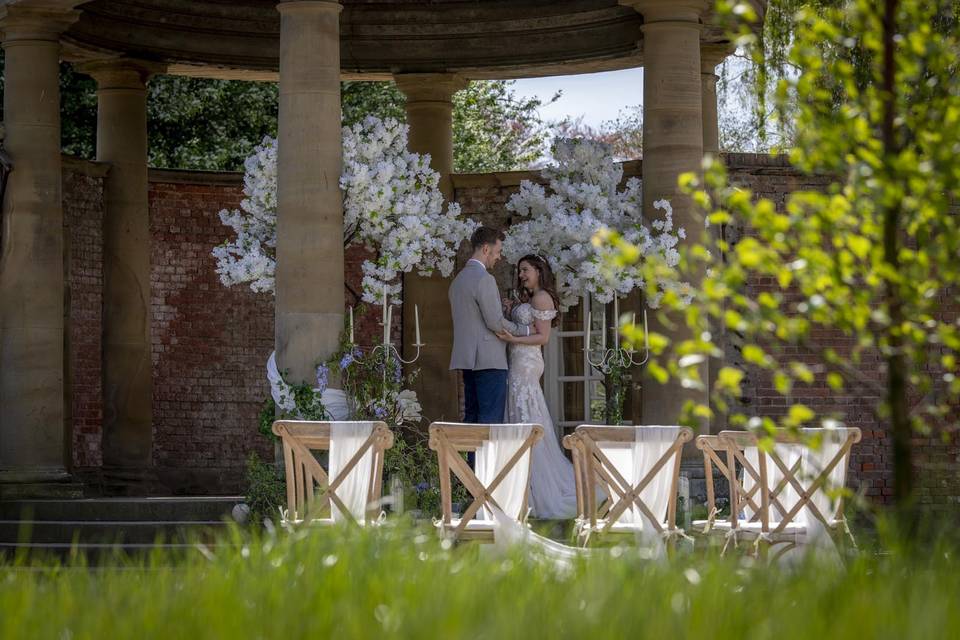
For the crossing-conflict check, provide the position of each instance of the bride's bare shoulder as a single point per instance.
(542, 301)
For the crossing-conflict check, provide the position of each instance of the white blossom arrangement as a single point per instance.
(582, 199)
(391, 204)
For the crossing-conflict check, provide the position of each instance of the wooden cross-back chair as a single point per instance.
(723, 455)
(789, 489)
(592, 447)
(310, 491)
(449, 439)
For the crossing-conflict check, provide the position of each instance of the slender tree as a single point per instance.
(873, 259)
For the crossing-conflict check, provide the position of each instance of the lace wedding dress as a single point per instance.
(552, 489)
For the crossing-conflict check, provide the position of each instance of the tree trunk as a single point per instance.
(896, 362)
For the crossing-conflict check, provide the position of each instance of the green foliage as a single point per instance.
(265, 490)
(495, 130)
(624, 133)
(616, 377)
(265, 419)
(197, 123)
(752, 77)
(398, 582)
(361, 99)
(874, 257)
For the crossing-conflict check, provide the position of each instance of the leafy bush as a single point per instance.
(265, 489)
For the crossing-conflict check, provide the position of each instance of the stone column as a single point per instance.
(672, 144)
(430, 116)
(127, 363)
(309, 272)
(710, 57)
(32, 430)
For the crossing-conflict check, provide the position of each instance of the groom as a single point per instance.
(477, 317)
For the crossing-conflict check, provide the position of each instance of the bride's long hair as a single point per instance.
(546, 282)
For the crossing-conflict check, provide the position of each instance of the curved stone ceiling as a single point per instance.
(479, 38)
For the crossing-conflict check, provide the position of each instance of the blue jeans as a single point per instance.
(485, 396)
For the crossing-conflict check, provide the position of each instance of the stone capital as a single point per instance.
(654, 11)
(309, 6)
(429, 87)
(35, 22)
(120, 73)
(712, 55)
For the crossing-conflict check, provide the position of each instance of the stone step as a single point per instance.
(98, 554)
(161, 509)
(123, 532)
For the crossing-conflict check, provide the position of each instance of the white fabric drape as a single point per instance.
(334, 400)
(813, 460)
(346, 438)
(634, 461)
(493, 456)
(788, 497)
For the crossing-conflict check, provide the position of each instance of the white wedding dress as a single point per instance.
(552, 485)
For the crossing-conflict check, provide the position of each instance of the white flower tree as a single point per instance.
(583, 198)
(391, 205)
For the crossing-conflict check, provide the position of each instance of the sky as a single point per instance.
(595, 96)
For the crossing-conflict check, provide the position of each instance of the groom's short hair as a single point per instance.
(485, 235)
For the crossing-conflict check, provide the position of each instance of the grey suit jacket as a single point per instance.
(477, 315)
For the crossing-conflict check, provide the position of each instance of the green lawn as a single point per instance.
(399, 581)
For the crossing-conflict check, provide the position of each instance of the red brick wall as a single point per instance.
(210, 342)
(83, 221)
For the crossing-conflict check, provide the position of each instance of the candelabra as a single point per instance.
(617, 356)
(386, 351)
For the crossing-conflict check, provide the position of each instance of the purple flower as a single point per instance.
(423, 486)
(379, 412)
(350, 357)
(323, 375)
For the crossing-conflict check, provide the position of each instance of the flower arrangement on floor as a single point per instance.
(392, 205)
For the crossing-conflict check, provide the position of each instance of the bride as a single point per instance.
(552, 489)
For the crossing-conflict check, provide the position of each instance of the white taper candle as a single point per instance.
(616, 323)
(416, 324)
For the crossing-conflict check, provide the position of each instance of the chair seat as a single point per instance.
(322, 522)
(619, 527)
(793, 531)
(472, 525)
(476, 529)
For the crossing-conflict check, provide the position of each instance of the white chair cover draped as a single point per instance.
(789, 453)
(812, 462)
(346, 438)
(493, 456)
(634, 461)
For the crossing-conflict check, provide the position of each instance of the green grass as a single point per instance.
(399, 581)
